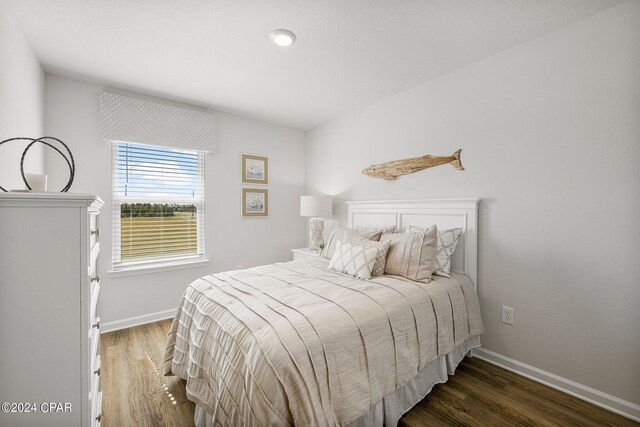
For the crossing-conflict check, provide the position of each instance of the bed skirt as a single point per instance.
(390, 409)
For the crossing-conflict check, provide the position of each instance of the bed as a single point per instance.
(296, 343)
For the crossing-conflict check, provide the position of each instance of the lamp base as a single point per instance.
(316, 234)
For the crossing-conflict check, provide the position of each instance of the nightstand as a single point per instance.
(304, 253)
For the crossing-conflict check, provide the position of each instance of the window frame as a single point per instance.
(160, 263)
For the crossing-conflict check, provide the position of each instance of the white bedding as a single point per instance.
(297, 344)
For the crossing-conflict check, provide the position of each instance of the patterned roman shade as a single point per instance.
(127, 119)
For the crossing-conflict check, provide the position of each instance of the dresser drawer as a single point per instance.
(95, 389)
(95, 400)
(96, 410)
(94, 259)
(94, 229)
(93, 303)
(94, 291)
(96, 365)
(94, 340)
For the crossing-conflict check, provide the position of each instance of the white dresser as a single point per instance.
(49, 325)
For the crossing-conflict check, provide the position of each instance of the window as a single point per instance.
(158, 205)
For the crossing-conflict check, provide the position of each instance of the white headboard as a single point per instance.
(445, 213)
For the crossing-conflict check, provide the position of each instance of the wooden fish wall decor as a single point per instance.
(392, 170)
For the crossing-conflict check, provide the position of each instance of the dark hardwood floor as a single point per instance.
(135, 393)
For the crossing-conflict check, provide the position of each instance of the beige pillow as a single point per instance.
(447, 242)
(338, 234)
(385, 229)
(353, 259)
(383, 248)
(412, 255)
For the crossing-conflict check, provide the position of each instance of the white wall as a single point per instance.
(21, 100)
(550, 132)
(72, 114)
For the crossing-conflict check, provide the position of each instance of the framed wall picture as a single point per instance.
(255, 202)
(255, 169)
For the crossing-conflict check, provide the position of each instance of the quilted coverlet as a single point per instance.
(297, 344)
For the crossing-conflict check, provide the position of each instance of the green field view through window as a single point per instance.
(150, 230)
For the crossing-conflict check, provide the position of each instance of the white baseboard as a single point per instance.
(591, 395)
(137, 320)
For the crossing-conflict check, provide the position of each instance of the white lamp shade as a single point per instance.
(316, 206)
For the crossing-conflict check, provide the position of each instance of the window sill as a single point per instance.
(157, 268)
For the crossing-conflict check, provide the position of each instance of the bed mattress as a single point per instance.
(298, 344)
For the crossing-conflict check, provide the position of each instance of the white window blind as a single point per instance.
(158, 204)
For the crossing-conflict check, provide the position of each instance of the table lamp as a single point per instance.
(316, 207)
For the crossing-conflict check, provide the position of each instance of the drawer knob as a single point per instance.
(97, 371)
(95, 279)
(98, 417)
(95, 232)
(97, 324)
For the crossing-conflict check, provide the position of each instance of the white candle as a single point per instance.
(37, 182)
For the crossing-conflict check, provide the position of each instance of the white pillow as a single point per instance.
(382, 247)
(353, 259)
(447, 242)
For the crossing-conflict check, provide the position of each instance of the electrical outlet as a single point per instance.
(508, 315)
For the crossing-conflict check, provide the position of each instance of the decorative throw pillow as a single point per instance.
(382, 247)
(338, 234)
(353, 259)
(385, 229)
(412, 255)
(447, 242)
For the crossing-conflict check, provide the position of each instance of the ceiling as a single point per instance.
(217, 53)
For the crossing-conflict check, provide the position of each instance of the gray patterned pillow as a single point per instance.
(353, 259)
(382, 247)
(447, 242)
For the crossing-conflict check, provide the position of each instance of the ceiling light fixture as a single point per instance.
(283, 37)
